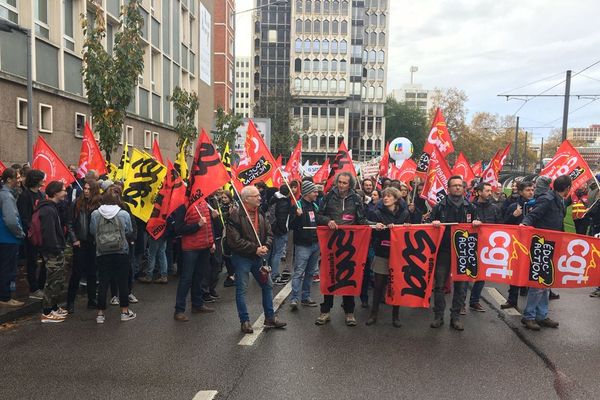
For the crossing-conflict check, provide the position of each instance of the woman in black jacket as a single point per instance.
(390, 212)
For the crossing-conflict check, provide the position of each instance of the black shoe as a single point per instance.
(274, 323)
(507, 305)
(229, 282)
(214, 295)
(554, 296)
(208, 298)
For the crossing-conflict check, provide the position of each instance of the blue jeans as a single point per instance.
(243, 267)
(193, 266)
(537, 304)
(476, 292)
(305, 265)
(157, 251)
(276, 253)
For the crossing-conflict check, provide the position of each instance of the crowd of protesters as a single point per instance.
(85, 234)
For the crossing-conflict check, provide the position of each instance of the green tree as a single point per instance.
(110, 80)
(226, 129)
(186, 105)
(405, 120)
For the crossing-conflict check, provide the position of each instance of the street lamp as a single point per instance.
(8, 26)
(273, 3)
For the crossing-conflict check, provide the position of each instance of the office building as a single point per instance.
(224, 41)
(244, 92)
(588, 135)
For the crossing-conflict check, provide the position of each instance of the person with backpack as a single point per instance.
(278, 215)
(110, 225)
(11, 235)
(46, 233)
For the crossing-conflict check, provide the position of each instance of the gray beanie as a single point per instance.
(105, 184)
(542, 185)
(308, 187)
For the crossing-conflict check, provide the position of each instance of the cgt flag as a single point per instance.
(412, 262)
(492, 171)
(259, 164)
(208, 174)
(438, 138)
(156, 152)
(463, 168)
(342, 162)
(45, 159)
(436, 184)
(568, 161)
(321, 175)
(90, 156)
(293, 165)
(405, 173)
(343, 258)
(142, 184)
(477, 168)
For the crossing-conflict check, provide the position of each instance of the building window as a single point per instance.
(317, 7)
(316, 46)
(334, 27)
(79, 124)
(343, 47)
(325, 66)
(307, 26)
(41, 18)
(343, 66)
(342, 85)
(147, 139)
(315, 85)
(324, 85)
(8, 10)
(380, 74)
(308, 7)
(306, 85)
(382, 39)
(297, 65)
(317, 27)
(333, 85)
(306, 65)
(316, 65)
(326, 7)
(372, 56)
(344, 8)
(344, 30)
(298, 26)
(382, 21)
(325, 46)
(45, 118)
(334, 46)
(380, 56)
(297, 84)
(298, 45)
(128, 136)
(21, 113)
(298, 6)
(272, 36)
(334, 66)
(307, 46)
(68, 24)
(380, 93)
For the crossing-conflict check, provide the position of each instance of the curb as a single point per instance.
(30, 307)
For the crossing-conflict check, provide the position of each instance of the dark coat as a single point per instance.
(53, 237)
(445, 211)
(310, 218)
(26, 203)
(381, 239)
(488, 212)
(240, 234)
(348, 210)
(282, 206)
(509, 218)
(548, 213)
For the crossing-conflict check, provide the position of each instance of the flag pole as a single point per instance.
(288, 185)
(246, 211)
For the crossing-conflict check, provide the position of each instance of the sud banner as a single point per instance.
(343, 258)
(412, 262)
(524, 256)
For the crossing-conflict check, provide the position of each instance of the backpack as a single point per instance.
(34, 234)
(110, 236)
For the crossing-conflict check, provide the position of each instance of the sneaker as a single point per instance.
(132, 298)
(274, 323)
(463, 310)
(51, 318)
(294, 305)
(229, 281)
(457, 324)
(350, 320)
(530, 324)
(207, 298)
(61, 312)
(548, 323)
(100, 318)
(114, 301)
(246, 327)
(279, 281)
(127, 316)
(507, 305)
(477, 307)
(286, 274)
(316, 278)
(145, 279)
(12, 303)
(323, 319)
(595, 293)
(308, 303)
(214, 295)
(202, 310)
(38, 294)
(162, 280)
(554, 296)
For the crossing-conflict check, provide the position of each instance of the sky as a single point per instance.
(491, 47)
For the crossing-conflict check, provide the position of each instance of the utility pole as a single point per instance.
(566, 109)
(542, 155)
(516, 150)
(525, 154)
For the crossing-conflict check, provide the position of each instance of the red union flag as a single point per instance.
(259, 164)
(492, 171)
(341, 163)
(568, 161)
(438, 138)
(321, 175)
(45, 159)
(293, 165)
(208, 173)
(412, 261)
(405, 173)
(476, 168)
(436, 183)
(278, 175)
(2, 167)
(343, 258)
(90, 157)
(463, 168)
(156, 152)
(384, 164)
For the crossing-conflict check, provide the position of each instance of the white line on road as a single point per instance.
(205, 395)
(495, 294)
(249, 339)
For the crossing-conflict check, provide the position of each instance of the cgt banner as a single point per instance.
(524, 256)
(343, 258)
(412, 261)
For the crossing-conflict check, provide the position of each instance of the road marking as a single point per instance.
(495, 294)
(249, 339)
(205, 395)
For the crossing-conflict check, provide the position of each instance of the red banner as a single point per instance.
(406, 172)
(156, 152)
(477, 168)
(259, 164)
(208, 172)
(436, 184)
(463, 168)
(90, 156)
(492, 171)
(278, 175)
(45, 159)
(293, 165)
(568, 161)
(321, 175)
(343, 258)
(170, 197)
(2, 167)
(341, 162)
(412, 262)
(524, 256)
(438, 138)
(384, 164)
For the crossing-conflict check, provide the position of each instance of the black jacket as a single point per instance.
(548, 213)
(348, 210)
(488, 212)
(310, 218)
(282, 207)
(445, 211)
(381, 239)
(53, 237)
(509, 218)
(26, 203)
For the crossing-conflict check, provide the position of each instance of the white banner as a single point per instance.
(205, 45)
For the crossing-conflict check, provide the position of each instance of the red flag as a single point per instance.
(476, 168)
(343, 258)
(2, 167)
(384, 164)
(412, 260)
(207, 173)
(170, 197)
(278, 175)
(321, 175)
(90, 156)
(438, 138)
(492, 171)
(568, 161)
(156, 152)
(259, 164)
(293, 165)
(463, 168)
(436, 184)
(45, 159)
(405, 173)
(341, 162)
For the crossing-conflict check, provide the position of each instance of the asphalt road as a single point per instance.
(154, 357)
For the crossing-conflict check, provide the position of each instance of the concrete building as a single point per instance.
(338, 73)
(414, 94)
(244, 89)
(224, 42)
(588, 135)
(176, 51)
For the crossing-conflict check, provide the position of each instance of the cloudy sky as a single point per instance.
(490, 47)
